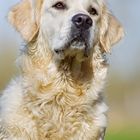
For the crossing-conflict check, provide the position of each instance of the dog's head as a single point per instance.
(70, 27)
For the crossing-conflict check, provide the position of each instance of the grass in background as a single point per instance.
(123, 136)
(132, 133)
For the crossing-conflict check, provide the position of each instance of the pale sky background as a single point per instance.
(125, 57)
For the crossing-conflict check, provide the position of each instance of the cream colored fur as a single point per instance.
(56, 99)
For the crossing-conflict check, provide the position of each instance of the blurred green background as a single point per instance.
(123, 84)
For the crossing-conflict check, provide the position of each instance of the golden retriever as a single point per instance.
(58, 95)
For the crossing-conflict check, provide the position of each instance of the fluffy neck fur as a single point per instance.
(57, 95)
(66, 76)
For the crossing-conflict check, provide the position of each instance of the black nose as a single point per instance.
(82, 21)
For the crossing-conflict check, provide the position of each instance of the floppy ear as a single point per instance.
(25, 18)
(111, 33)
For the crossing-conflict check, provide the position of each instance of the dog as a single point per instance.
(59, 92)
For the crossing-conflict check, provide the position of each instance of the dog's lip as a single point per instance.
(75, 39)
(78, 39)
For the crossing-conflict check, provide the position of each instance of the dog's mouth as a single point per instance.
(78, 41)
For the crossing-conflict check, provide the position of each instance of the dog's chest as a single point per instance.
(60, 116)
(61, 123)
(62, 109)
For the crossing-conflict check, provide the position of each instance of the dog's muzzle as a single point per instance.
(80, 31)
(80, 34)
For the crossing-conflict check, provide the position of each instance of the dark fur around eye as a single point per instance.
(93, 11)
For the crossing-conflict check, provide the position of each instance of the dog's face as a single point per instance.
(71, 27)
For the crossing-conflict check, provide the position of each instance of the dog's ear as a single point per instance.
(25, 18)
(111, 33)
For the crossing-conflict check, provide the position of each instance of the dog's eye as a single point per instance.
(60, 6)
(93, 11)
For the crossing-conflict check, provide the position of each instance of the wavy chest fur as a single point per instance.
(57, 101)
(65, 103)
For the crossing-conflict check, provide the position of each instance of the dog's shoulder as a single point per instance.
(11, 98)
